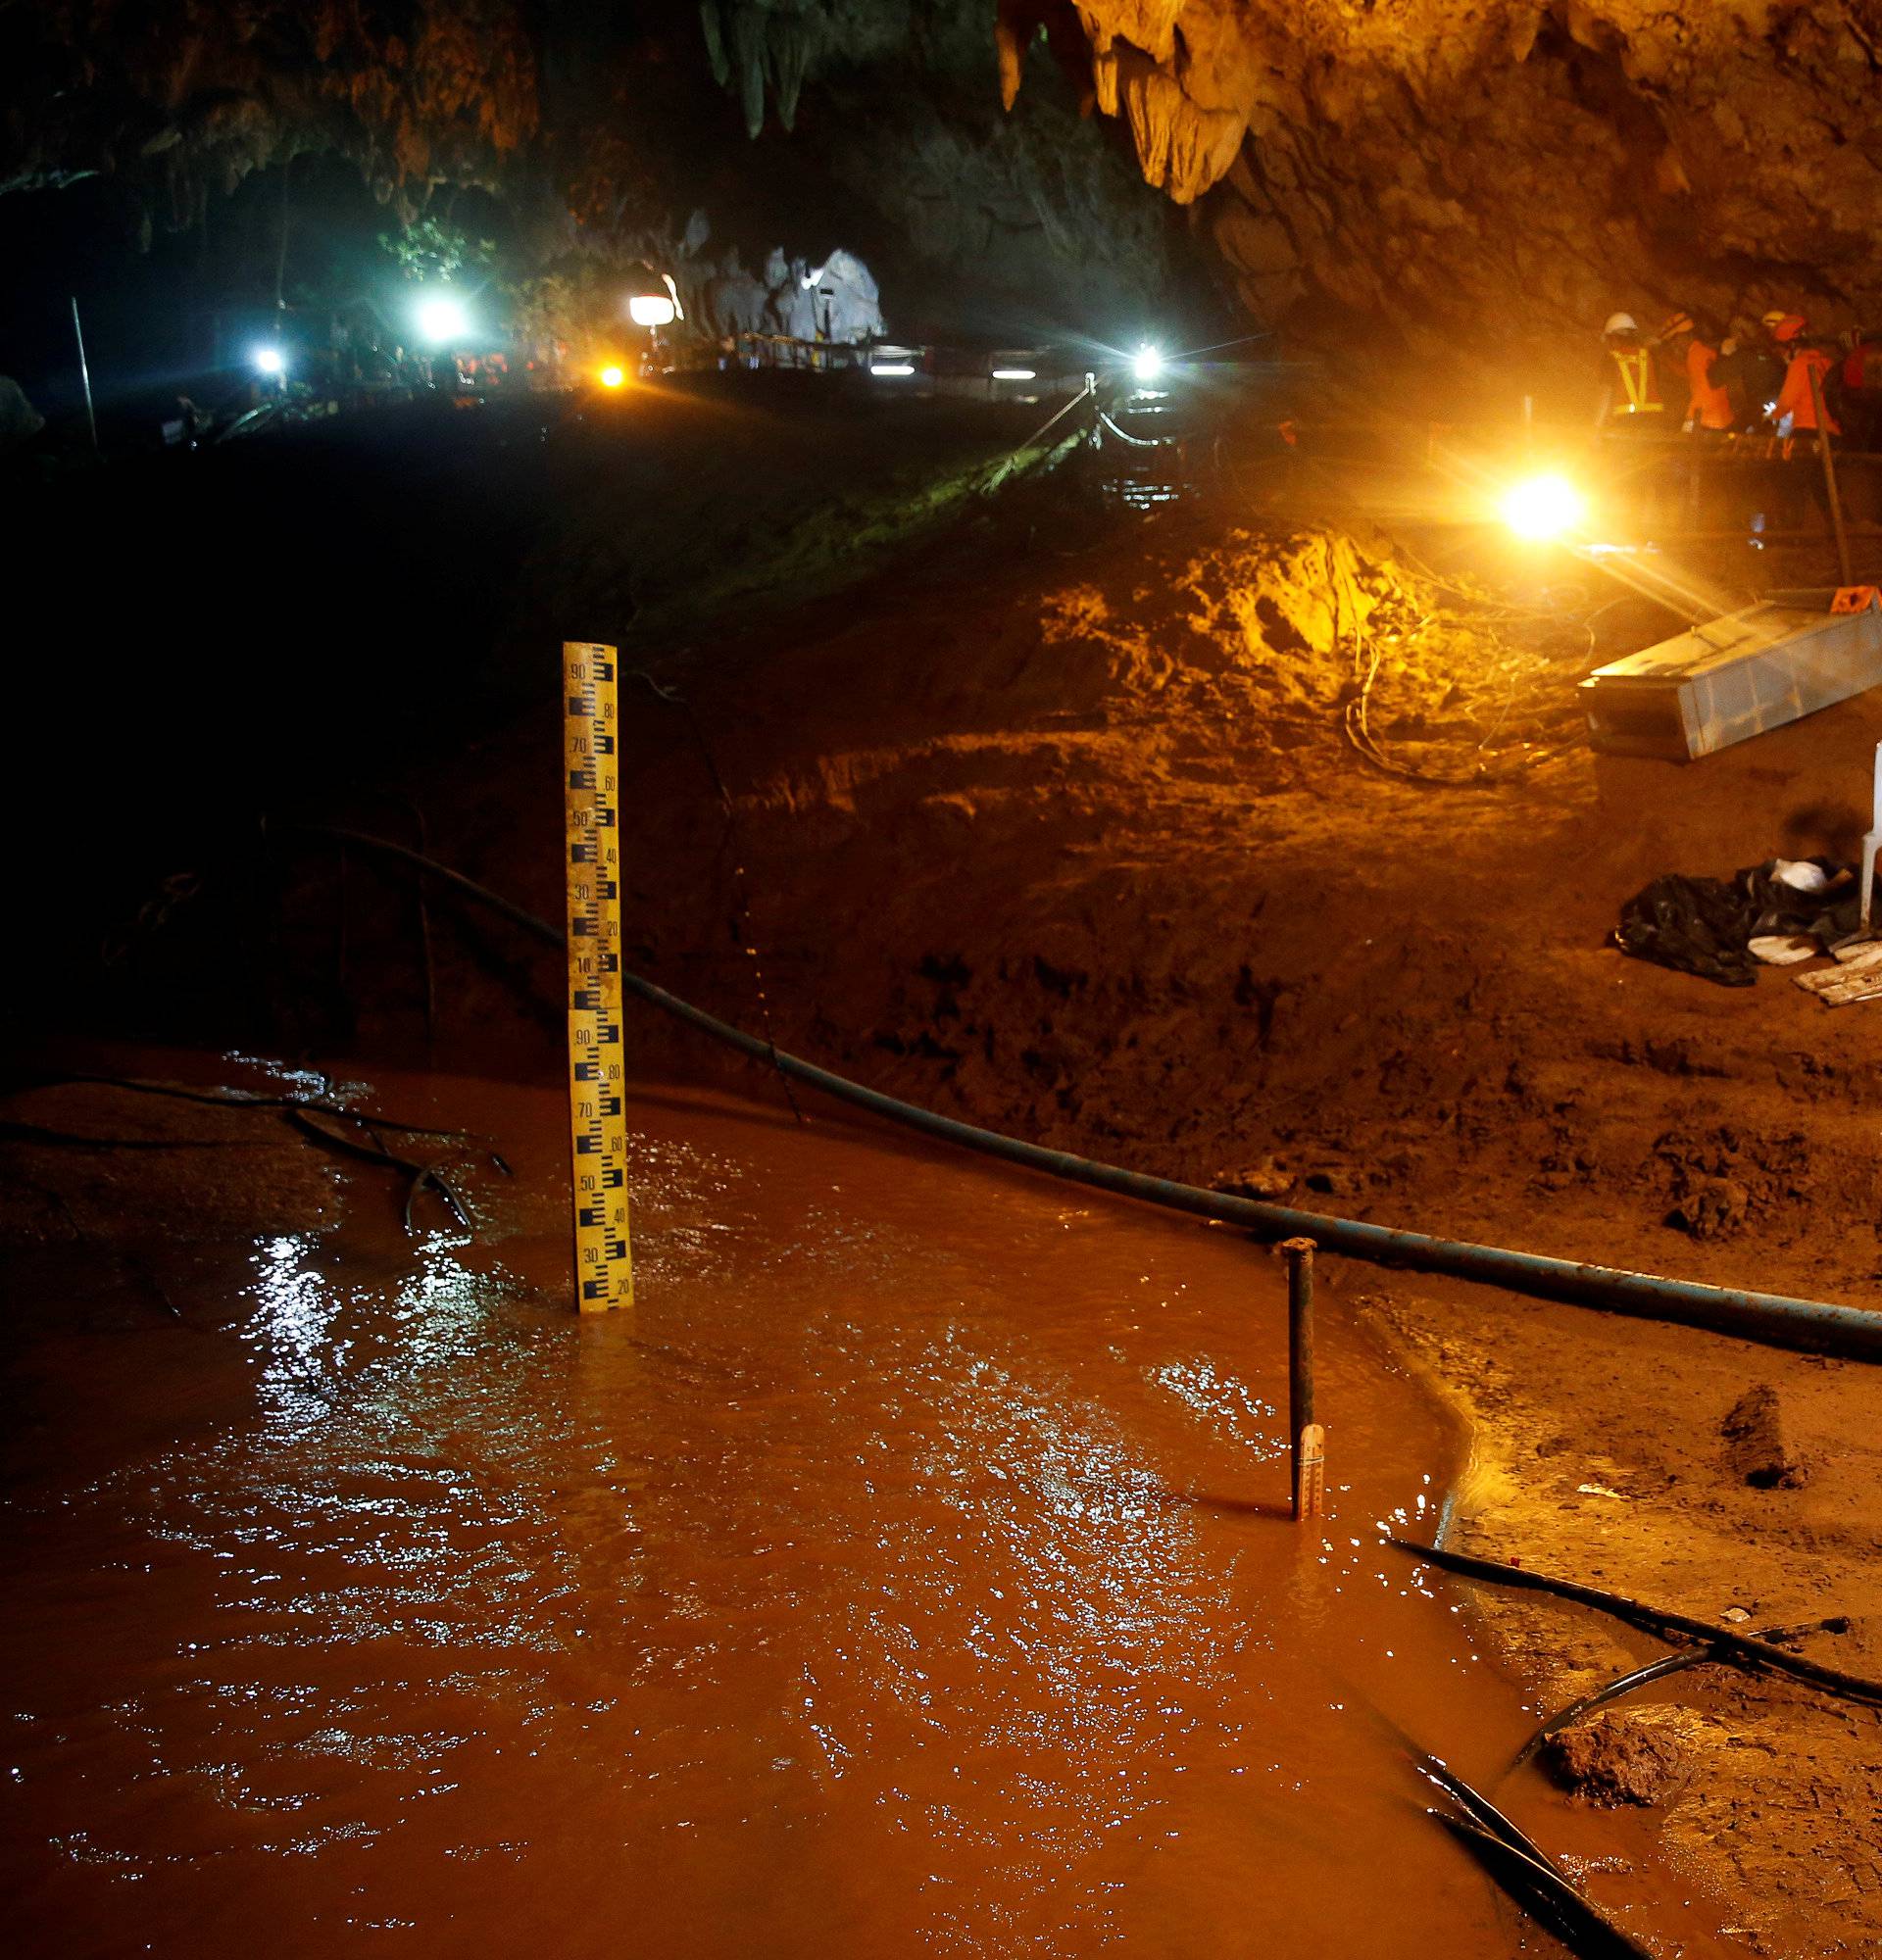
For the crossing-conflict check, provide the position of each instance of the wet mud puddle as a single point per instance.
(909, 1577)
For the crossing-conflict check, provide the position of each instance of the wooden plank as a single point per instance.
(1843, 986)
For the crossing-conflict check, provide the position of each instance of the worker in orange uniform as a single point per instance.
(1708, 403)
(1631, 398)
(1857, 401)
(1794, 413)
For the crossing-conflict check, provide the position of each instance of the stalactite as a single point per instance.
(751, 49)
(790, 42)
(715, 55)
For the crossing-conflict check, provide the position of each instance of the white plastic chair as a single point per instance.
(1872, 841)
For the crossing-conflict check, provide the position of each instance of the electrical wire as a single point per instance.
(1369, 657)
(1242, 340)
(1135, 441)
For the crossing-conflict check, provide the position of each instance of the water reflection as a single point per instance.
(903, 1579)
(291, 1328)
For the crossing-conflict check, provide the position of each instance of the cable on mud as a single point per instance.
(1776, 1320)
(1750, 1651)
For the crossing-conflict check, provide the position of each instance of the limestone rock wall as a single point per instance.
(1426, 174)
(1461, 167)
(183, 98)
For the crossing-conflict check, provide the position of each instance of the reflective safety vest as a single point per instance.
(1795, 410)
(1640, 385)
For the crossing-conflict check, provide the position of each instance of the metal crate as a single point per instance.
(1738, 675)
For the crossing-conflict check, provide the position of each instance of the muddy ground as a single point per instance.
(1076, 829)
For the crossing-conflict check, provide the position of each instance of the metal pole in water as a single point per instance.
(1300, 1371)
(1830, 477)
(597, 1080)
(85, 375)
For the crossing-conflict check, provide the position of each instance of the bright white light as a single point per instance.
(891, 368)
(1014, 374)
(270, 361)
(651, 310)
(1544, 507)
(441, 318)
(1147, 364)
(612, 376)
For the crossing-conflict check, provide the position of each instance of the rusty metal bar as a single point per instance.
(1829, 476)
(1300, 1362)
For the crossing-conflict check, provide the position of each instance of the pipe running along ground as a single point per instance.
(1755, 1653)
(1775, 1319)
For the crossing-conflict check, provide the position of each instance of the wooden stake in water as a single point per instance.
(1300, 1368)
(1311, 1473)
(597, 1078)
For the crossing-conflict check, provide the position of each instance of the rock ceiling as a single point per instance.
(1434, 167)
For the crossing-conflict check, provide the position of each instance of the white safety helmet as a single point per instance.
(1620, 322)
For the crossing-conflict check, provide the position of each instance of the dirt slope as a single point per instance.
(1090, 858)
(1068, 830)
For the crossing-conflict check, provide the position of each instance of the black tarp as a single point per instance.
(1705, 925)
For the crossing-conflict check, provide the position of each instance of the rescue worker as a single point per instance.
(1709, 404)
(1794, 413)
(1857, 398)
(1631, 397)
(1749, 371)
(1689, 345)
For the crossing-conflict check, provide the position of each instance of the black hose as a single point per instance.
(1544, 1893)
(1659, 1670)
(1622, 1685)
(1745, 1650)
(1776, 1320)
(1479, 1808)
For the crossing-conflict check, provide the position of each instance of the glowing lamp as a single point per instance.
(1014, 374)
(270, 361)
(1544, 507)
(441, 318)
(1147, 364)
(652, 310)
(891, 368)
(612, 376)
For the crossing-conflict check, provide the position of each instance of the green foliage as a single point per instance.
(545, 307)
(434, 248)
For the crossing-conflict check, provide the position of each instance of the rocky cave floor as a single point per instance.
(1062, 827)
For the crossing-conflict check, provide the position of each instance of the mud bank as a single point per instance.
(1093, 857)
(1268, 859)
(1605, 1454)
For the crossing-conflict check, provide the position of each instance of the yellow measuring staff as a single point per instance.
(597, 1080)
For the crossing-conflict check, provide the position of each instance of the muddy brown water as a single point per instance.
(907, 1576)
